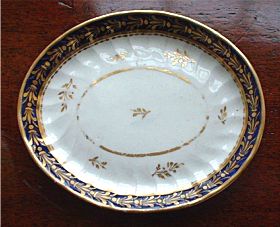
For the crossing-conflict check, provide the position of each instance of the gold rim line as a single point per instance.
(157, 153)
(210, 194)
(152, 68)
(192, 42)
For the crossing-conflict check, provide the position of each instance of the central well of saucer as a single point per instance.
(138, 112)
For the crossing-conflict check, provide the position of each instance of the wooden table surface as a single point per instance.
(30, 198)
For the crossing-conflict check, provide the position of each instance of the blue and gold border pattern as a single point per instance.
(134, 21)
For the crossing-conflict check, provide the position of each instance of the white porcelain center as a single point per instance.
(141, 111)
(142, 115)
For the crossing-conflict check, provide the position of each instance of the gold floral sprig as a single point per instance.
(163, 172)
(223, 115)
(178, 58)
(95, 162)
(140, 111)
(66, 94)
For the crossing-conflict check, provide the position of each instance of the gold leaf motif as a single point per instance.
(66, 94)
(246, 80)
(223, 115)
(63, 175)
(92, 32)
(73, 42)
(124, 201)
(82, 188)
(57, 53)
(95, 162)
(253, 124)
(103, 197)
(200, 35)
(163, 172)
(41, 72)
(140, 111)
(34, 137)
(231, 166)
(171, 199)
(30, 94)
(233, 61)
(213, 182)
(29, 114)
(253, 101)
(220, 48)
(246, 145)
(195, 192)
(45, 158)
(179, 58)
(148, 201)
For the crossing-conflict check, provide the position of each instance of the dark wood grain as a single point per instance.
(29, 198)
